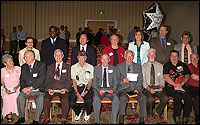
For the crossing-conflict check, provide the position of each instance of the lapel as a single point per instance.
(110, 75)
(34, 67)
(100, 73)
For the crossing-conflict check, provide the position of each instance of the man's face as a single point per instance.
(163, 32)
(58, 56)
(129, 57)
(82, 59)
(151, 56)
(185, 39)
(83, 39)
(28, 58)
(114, 40)
(194, 59)
(52, 33)
(29, 43)
(105, 60)
(174, 57)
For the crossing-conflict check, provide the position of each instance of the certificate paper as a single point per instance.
(132, 76)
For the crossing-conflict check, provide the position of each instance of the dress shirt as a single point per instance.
(85, 47)
(53, 40)
(60, 67)
(32, 64)
(21, 35)
(107, 81)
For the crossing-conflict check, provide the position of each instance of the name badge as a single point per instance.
(64, 71)
(158, 74)
(132, 76)
(110, 71)
(35, 74)
(168, 44)
(110, 54)
(87, 74)
(7, 75)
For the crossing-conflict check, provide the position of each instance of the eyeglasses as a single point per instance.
(25, 57)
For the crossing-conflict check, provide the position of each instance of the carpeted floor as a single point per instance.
(131, 117)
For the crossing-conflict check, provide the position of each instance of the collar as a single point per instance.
(32, 64)
(142, 43)
(85, 47)
(60, 64)
(53, 39)
(105, 67)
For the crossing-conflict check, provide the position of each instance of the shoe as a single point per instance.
(78, 117)
(157, 116)
(20, 120)
(185, 120)
(150, 118)
(141, 122)
(177, 120)
(63, 122)
(45, 121)
(35, 122)
(86, 117)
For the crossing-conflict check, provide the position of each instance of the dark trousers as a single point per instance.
(177, 98)
(87, 101)
(22, 44)
(194, 93)
(151, 101)
(67, 43)
(64, 98)
(13, 46)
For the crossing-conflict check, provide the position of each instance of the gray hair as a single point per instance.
(151, 49)
(58, 50)
(129, 51)
(5, 57)
(106, 54)
(31, 52)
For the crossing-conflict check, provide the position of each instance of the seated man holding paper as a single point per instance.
(153, 82)
(131, 80)
(105, 85)
(32, 83)
(58, 83)
(81, 94)
(176, 74)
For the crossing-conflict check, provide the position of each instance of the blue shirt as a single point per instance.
(21, 35)
(138, 52)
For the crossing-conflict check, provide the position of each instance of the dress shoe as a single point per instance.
(20, 120)
(185, 121)
(45, 121)
(177, 120)
(150, 118)
(141, 122)
(78, 117)
(86, 117)
(35, 122)
(63, 122)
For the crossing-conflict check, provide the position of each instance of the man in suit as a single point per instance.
(32, 83)
(105, 85)
(131, 80)
(50, 44)
(58, 78)
(90, 52)
(162, 45)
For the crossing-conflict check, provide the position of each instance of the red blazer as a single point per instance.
(120, 52)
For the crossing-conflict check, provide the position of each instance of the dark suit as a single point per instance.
(65, 82)
(156, 44)
(90, 52)
(36, 79)
(97, 82)
(47, 50)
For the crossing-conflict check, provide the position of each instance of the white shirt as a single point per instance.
(60, 67)
(53, 39)
(85, 47)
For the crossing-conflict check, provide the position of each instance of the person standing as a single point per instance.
(78, 34)
(13, 41)
(21, 36)
(67, 36)
(62, 32)
(2, 41)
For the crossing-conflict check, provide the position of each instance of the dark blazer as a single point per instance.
(36, 78)
(137, 69)
(112, 78)
(90, 52)
(156, 44)
(47, 50)
(65, 80)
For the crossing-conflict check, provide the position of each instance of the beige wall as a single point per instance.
(74, 13)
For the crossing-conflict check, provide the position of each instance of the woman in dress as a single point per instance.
(10, 84)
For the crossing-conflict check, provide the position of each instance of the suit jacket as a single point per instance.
(112, 78)
(90, 52)
(36, 78)
(47, 50)
(137, 69)
(156, 44)
(65, 80)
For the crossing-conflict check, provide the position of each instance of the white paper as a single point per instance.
(158, 74)
(87, 75)
(64, 71)
(110, 71)
(35, 74)
(168, 44)
(132, 76)
(11, 89)
(110, 54)
(7, 75)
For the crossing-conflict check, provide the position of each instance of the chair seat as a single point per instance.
(31, 98)
(56, 98)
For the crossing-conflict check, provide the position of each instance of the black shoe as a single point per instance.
(197, 119)
(20, 120)
(185, 121)
(177, 120)
(141, 122)
(35, 122)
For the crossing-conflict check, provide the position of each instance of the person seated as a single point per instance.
(105, 85)
(58, 83)
(10, 75)
(32, 83)
(81, 93)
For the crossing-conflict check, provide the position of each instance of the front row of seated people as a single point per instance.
(82, 85)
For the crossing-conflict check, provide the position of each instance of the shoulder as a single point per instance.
(89, 65)
(17, 68)
(45, 40)
(107, 48)
(146, 43)
(137, 65)
(158, 64)
(3, 70)
(131, 43)
(90, 48)
(178, 45)
(75, 48)
(121, 64)
(121, 48)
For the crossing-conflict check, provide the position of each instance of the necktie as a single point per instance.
(82, 49)
(152, 78)
(185, 55)
(104, 79)
(54, 42)
(58, 72)
(164, 50)
(129, 69)
(30, 68)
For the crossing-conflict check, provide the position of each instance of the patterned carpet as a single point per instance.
(131, 117)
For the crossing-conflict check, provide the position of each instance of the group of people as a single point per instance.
(146, 70)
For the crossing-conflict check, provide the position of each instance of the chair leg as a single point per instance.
(73, 115)
(50, 114)
(165, 112)
(26, 110)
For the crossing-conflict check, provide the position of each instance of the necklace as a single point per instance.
(9, 70)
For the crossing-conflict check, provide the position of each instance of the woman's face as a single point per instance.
(9, 63)
(138, 36)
